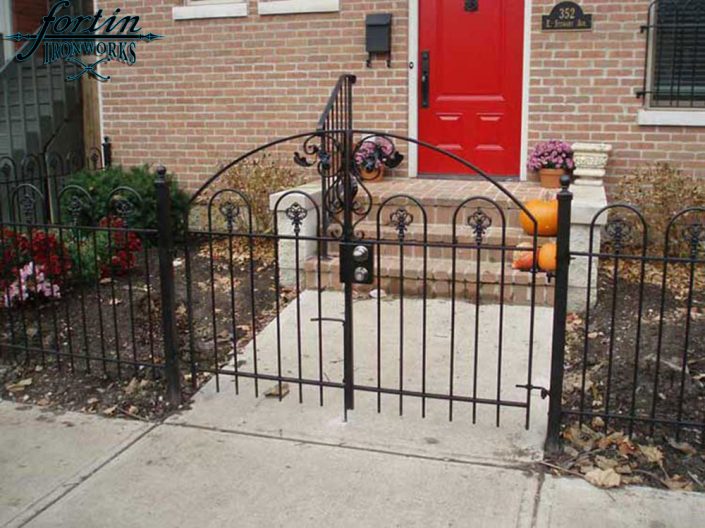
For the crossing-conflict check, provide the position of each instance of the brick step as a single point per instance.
(442, 237)
(441, 198)
(439, 278)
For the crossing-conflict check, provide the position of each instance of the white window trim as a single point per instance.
(207, 10)
(281, 7)
(688, 118)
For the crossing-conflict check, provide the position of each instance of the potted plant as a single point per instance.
(371, 157)
(552, 159)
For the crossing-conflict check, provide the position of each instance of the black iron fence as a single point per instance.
(47, 172)
(634, 358)
(96, 298)
(106, 298)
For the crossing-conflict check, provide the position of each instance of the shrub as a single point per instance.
(257, 179)
(660, 192)
(100, 185)
(100, 254)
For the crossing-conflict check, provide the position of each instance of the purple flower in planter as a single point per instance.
(373, 152)
(551, 154)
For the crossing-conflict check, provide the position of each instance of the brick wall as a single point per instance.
(583, 86)
(214, 88)
(27, 15)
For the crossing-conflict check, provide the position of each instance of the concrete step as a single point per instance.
(494, 280)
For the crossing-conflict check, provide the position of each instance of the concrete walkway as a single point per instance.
(245, 461)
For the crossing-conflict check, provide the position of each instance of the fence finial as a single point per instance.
(161, 172)
(565, 182)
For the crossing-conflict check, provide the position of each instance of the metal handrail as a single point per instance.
(337, 115)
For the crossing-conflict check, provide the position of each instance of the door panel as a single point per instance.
(474, 84)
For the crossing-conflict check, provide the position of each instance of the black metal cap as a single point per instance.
(161, 172)
(565, 182)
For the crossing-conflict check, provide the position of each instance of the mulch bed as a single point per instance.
(131, 327)
(602, 450)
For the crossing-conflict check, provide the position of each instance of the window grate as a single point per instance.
(674, 75)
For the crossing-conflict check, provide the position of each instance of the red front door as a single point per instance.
(470, 84)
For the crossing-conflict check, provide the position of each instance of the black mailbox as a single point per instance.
(379, 36)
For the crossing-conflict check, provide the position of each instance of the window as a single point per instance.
(280, 7)
(675, 69)
(210, 9)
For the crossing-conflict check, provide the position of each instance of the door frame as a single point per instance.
(413, 99)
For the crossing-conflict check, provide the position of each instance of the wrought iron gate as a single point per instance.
(354, 238)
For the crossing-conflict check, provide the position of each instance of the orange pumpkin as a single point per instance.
(524, 260)
(546, 214)
(547, 257)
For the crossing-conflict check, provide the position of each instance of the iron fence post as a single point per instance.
(560, 315)
(107, 152)
(166, 279)
(348, 237)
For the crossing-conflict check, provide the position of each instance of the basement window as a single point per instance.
(675, 60)
(195, 9)
(282, 7)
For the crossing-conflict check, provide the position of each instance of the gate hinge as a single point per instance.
(545, 393)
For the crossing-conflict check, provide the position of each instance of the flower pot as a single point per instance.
(375, 175)
(551, 178)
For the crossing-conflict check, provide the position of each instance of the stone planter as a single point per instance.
(590, 163)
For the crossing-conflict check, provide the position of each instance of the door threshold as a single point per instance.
(468, 177)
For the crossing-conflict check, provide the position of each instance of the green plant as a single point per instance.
(257, 179)
(660, 192)
(100, 185)
(97, 254)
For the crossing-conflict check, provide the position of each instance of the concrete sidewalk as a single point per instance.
(241, 460)
(112, 473)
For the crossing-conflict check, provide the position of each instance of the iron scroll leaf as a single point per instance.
(566, 16)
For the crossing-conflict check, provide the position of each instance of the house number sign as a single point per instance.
(567, 16)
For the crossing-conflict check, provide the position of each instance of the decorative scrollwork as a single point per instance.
(296, 213)
(619, 232)
(75, 207)
(230, 211)
(320, 150)
(480, 222)
(74, 162)
(30, 168)
(695, 234)
(94, 159)
(401, 219)
(28, 202)
(124, 208)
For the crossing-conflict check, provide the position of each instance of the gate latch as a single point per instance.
(545, 393)
(357, 262)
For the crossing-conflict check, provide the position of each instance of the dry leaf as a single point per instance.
(612, 439)
(678, 483)
(604, 478)
(652, 453)
(273, 392)
(19, 386)
(683, 447)
(605, 463)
